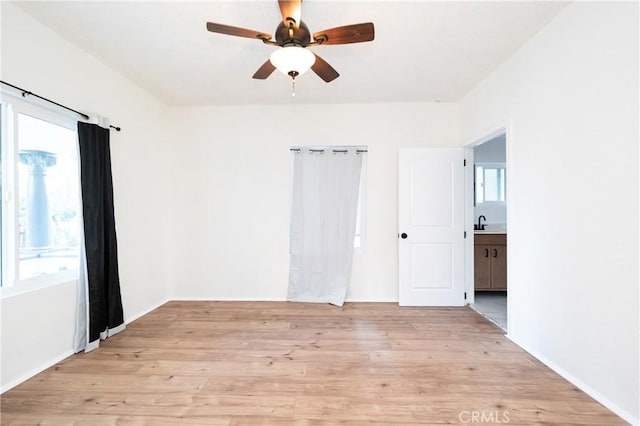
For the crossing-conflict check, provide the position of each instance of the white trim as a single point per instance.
(469, 219)
(41, 110)
(506, 130)
(132, 318)
(509, 197)
(490, 135)
(9, 211)
(625, 415)
(493, 164)
(283, 299)
(32, 372)
(15, 105)
(379, 300)
(225, 299)
(50, 280)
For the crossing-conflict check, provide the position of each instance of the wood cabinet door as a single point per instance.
(498, 267)
(482, 267)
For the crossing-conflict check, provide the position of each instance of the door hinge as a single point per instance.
(465, 162)
(465, 234)
(465, 295)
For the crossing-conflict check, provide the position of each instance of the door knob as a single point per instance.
(403, 236)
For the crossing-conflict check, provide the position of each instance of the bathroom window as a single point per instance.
(490, 183)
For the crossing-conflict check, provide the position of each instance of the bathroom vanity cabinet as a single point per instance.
(490, 262)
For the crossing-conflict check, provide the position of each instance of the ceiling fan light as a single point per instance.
(292, 58)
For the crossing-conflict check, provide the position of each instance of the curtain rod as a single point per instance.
(344, 151)
(26, 92)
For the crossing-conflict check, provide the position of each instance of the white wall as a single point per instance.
(37, 327)
(569, 98)
(235, 189)
(492, 151)
(495, 214)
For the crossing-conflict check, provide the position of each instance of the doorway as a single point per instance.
(487, 201)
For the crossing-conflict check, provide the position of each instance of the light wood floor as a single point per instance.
(264, 363)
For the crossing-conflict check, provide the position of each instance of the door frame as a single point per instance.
(469, 208)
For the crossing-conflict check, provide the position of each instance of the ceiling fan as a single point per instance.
(293, 36)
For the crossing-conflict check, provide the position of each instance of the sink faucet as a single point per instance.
(481, 226)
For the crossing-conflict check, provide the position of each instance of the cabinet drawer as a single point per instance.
(490, 239)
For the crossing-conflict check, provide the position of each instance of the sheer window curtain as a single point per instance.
(325, 193)
(99, 308)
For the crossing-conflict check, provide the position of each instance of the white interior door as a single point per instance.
(431, 227)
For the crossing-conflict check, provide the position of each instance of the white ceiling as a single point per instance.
(423, 50)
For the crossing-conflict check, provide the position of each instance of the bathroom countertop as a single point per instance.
(490, 231)
(493, 228)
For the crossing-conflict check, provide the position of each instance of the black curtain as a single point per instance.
(105, 303)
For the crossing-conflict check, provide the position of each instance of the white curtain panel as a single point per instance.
(81, 334)
(323, 223)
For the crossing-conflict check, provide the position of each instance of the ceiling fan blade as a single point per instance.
(356, 33)
(290, 10)
(264, 71)
(324, 70)
(236, 31)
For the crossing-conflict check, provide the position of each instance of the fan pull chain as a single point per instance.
(293, 75)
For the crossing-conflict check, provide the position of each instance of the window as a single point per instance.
(40, 194)
(490, 183)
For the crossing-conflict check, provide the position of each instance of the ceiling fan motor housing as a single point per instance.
(297, 36)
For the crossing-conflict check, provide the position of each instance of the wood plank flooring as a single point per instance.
(282, 363)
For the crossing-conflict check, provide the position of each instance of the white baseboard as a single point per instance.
(132, 318)
(624, 414)
(29, 374)
(222, 299)
(381, 300)
(253, 299)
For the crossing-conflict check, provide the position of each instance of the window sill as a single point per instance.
(38, 283)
